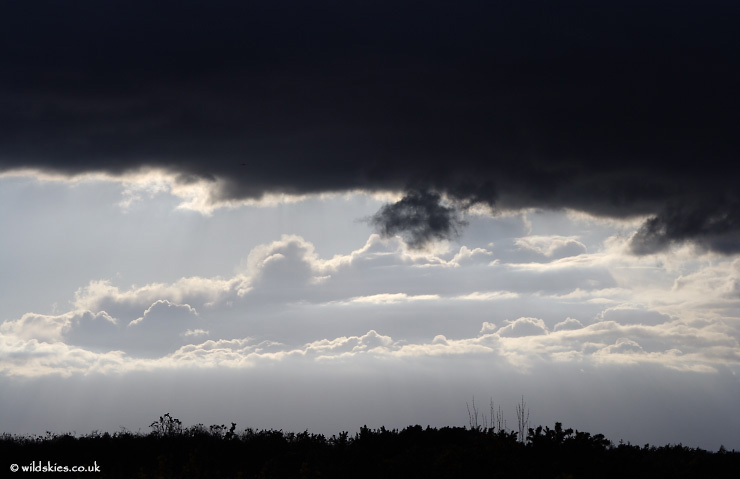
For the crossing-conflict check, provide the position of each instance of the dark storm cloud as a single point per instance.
(419, 218)
(615, 108)
(715, 226)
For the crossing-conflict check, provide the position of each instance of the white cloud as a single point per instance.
(286, 288)
(195, 333)
(161, 305)
(550, 247)
(41, 327)
(522, 343)
(523, 327)
(471, 256)
(196, 194)
(129, 305)
(392, 298)
(487, 328)
(487, 296)
(30, 358)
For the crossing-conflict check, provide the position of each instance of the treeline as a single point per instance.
(173, 451)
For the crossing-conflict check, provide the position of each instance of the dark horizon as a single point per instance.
(220, 450)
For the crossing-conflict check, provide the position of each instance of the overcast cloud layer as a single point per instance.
(614, 108)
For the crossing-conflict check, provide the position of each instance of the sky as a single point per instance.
(329, 214)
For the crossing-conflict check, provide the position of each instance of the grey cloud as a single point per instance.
(128, 305)
(714, 226)
(623, 346)
(568, 324)
(525, 104)
(567, 248)
(628, 315)
(160, 329)
(419, 217)
(559, 279)
(94, 331)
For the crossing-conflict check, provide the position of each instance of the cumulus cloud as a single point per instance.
(161, 305)
(623, 346)
(631, 315)
(284, 269)
(38, 326)
(471, 256)
(542, 248)
(487, 327)
(29, 358)
(568, 324)
(431, 302)
(369, 342)
(523, 327)
(722, 278)
(522, 343)
(129, 304)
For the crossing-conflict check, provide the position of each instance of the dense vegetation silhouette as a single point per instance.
(172, 451)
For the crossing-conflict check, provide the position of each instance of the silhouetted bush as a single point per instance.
(171, 450)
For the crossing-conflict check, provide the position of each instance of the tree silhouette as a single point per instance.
(166, 426)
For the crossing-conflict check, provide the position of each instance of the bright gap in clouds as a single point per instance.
(295, 315)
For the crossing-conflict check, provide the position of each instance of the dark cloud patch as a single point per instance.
(614, 108)
(419, 217)
(714, 226)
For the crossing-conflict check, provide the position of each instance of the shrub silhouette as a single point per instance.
(166, 426)
(171, 450)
